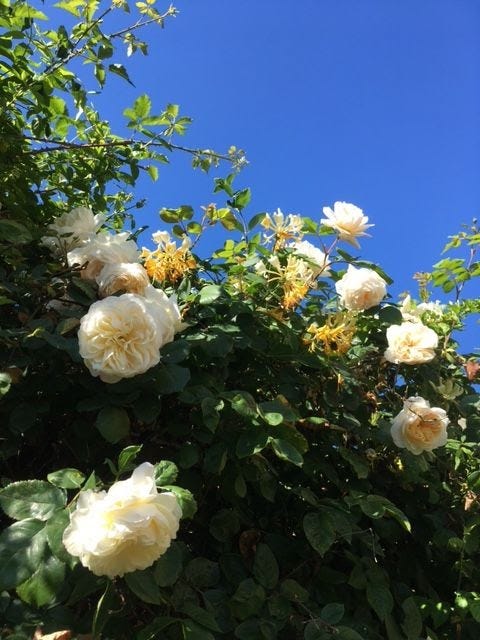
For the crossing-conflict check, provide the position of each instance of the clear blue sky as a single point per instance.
(376, 102)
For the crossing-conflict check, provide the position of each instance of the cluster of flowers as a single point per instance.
(418, 427)
(121, 335)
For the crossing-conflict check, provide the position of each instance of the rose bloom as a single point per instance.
(419, 427)
(412, 312)
(361, 289)
(410, 343)
(125, 528)
(120, 337)
(72, 229)
(102, 249)
(347, 220)
(317, 259)
(129, 277)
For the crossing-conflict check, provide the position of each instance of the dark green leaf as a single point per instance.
(113, 423)
(66, 478)
(31, 499)
(265, 567)
(319, 531)
(43, 586)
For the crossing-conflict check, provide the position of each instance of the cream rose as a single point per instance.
(120, 337)
(410, 343)
(317, 259)
(129, 277)
(347, 220)
(125, 528)
(360, 289)
(419, 427)
(102, 249)
(72, 229)
(412, 312)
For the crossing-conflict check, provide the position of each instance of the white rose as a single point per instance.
(130, 277)
(360, 289)
(317, 259)
(125, 528)
(419, 427)
(102, 249)
(347, 220)
(72, 229)
(410, 343)
(166, 312)
(120, 337)
(412, 312)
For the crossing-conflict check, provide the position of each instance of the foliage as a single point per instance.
(302, 519)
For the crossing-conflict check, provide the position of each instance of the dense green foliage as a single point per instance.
(301, 518)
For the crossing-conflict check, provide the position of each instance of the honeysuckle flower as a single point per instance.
(419, 427)
(283, 228)
(412, 312)
(128, 277)
(121, 337)
(72, 229)
(335, 335)
(125, 528)
(410, 343)
(348, 221)
(168, 262)
(361, 289)
(296, 278)
(102, 249)
(317, 260)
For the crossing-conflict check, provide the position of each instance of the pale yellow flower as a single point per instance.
(283, 228)
(102, 249)
(348, 221)
(317, 260)
(419, 427)
(410, 343)
(334, 336)
(168, 262)
(361, 289)
(295, 278)
(128, 277)
(72, 229)
(125, 528)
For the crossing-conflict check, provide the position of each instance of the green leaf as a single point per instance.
(412, 625)
(319, 531)
(256, 219)
(265, 567)
(152, 171)
(142, 106)
(14, 232)
(251, 441)
(248, 599)
(66, 478)
(286, 451)
(390, 315)
(127, 458)
(119, 70)
(168, 567)
(380, 599)
(203, 617)
(165, 473)
(5, 383)
(151, 631)
(102, 612)
(43, 586)
(209, 293)
(244, 404)
(357, 462)
(192, 631)
(113, 423)
(202, 573)
(292, 590)
(240, 199)
(22, 547)
(54, 529)
(31, 499)
(224, 525)
(187, 502)
(171, 378)
(144, 586)
(332, 613)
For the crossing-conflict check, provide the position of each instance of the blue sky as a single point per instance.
(375, 102)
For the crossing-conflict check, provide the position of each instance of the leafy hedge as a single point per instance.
(268, 416)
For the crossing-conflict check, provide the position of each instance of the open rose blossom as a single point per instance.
(419, 427)
(129, 277)
(317, 259)
(410, 343)
(347, 220)
(102, 249)
(125, 528)
(121, 337)
(72, 229)
(360, 289)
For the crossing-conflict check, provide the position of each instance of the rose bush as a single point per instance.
(310, 433)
